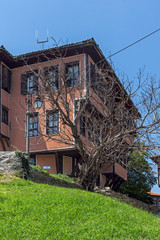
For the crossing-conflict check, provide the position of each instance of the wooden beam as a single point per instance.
(109, 179)
(2, 142)
(57, 162)
(8, 142)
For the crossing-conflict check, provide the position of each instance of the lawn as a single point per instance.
(36, 211)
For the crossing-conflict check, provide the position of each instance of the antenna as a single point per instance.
(41, 42)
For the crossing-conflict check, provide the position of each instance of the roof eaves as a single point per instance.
(105, 60)
(78, 44)
(154, 194)
(2, 49)
(155, 158)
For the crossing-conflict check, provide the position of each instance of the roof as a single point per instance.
(154, 194)
(155, 158)
(2, 49)
(82, 43)
(87, 46)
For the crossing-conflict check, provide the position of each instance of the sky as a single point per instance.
(114, 24)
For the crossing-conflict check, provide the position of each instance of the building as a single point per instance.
(53, 156)
(156, 199)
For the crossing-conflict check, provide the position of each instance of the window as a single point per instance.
(82, 126)
(31, 79)
(76, 108)
(4, 115)
(33, 124)
(90, 130)
(51, 77)
(32, 161)
(93, 74)
(52, 122)
(32, 84)
(6, 79)
(72, 77)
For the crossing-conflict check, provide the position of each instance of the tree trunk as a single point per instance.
(88, 177)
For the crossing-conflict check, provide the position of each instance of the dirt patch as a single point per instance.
(7, 177)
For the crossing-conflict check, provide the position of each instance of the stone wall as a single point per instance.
(12, 162)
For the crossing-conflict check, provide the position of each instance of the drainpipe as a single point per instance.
(27, 120)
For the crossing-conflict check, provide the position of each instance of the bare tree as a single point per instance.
(100, 120)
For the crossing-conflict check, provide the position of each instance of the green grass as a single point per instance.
(38, 168)
(64, 177)
(36, 211)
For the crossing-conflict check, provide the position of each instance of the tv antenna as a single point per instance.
(41, 42)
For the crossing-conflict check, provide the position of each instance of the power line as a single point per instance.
(134, 43)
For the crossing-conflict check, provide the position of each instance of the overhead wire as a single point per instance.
(141, 39)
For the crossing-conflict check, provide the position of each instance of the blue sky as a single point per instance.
(113, 23)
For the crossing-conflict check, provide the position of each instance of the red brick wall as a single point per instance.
(18, 108)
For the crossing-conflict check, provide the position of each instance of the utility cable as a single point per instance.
(134, 43)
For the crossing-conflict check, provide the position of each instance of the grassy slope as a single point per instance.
(36, 211)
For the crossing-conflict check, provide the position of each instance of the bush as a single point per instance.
(64, 177)
(25, 164)
(39, 169)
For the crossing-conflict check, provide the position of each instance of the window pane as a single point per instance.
(56, 122)
(73, 74)
(30, 84)
(76, 72)
(35, 132)
(33, 125)
(55, 129)
(50, 117)
(76, 82)
(51, 75)
(4, 115)
(52, 122)
(32, 161)
(70, 70)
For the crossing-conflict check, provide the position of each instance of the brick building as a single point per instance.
(55, 157)
(156, 199)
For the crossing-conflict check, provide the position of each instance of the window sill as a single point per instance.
(6, 124)
(32, 136)
(53, 134)
(7, 91)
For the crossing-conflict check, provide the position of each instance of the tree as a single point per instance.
(103, 111)
(140, 178)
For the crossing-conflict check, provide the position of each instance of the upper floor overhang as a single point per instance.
(6, 57)
(88, 46)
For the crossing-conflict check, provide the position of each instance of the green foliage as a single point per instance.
(38, 168)
(59, 175)
(140, 177)
(37, 211)
(64, 177)
(18, 174)
(25, 164)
